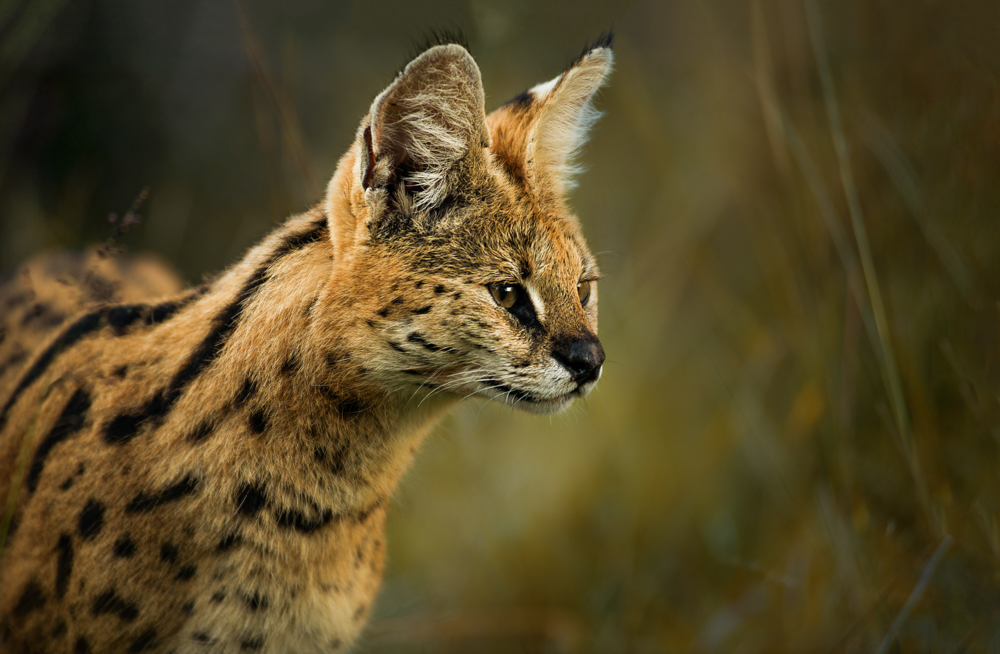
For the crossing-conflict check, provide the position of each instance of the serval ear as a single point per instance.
(566, 114)
(420, 127)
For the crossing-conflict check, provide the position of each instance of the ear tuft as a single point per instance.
(434, 38)
(605, 40)
(568, 113)
(424, 123)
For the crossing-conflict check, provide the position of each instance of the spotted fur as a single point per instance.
(209, 470)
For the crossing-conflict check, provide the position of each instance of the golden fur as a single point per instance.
(209, 470)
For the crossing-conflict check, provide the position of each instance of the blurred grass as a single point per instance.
(796, 441)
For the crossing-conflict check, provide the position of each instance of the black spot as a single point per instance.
(32, 598)
(163, 312)
(202, 637)
(120, 317)
(337, 459)
(124, 547)
(218, 597)
(143, 641)
(186, 573)
(201, 432)
(397, 300)
(363, 515)
(34, 312)
(70, 421)
(256, 602)
(64, 564)
(258, 420)
(383, 313)
(439, 289)
(91, 520)
(422, 310)
(396, 346)
(319, 453)
(248, 390)
(19, 298)
(149, 501)
(81, 646)
(120, 371)
(66, 485)
(251, 498)
(291, 365)
(350, 407)
(188, 608)
(360, 612)
(229, 541)
(122, 428)
(335, 644)
(419, 339)
(335, 358)
(457, 295)
(168, 553)
(252, 644)
(290, 519)
(109, 602)
(60, 629)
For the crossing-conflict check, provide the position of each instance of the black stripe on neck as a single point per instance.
(118, 316)
(125, 426)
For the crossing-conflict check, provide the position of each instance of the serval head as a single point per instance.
(468, 271)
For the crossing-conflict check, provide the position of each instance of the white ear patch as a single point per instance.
(567, 115)
(543, 89)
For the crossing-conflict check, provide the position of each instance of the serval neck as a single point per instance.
(270, 347)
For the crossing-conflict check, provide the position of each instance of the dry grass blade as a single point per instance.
(903, 175)
(918, 591)
(887, 359)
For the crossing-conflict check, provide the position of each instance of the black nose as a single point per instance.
(582, 357)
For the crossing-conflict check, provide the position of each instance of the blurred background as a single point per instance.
(796, 443)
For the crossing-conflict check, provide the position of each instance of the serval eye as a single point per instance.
(505, 294)
(583, 289)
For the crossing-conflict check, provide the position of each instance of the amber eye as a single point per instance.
(505, 294)
(583, 289)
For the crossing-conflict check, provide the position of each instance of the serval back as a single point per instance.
(209, 470)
